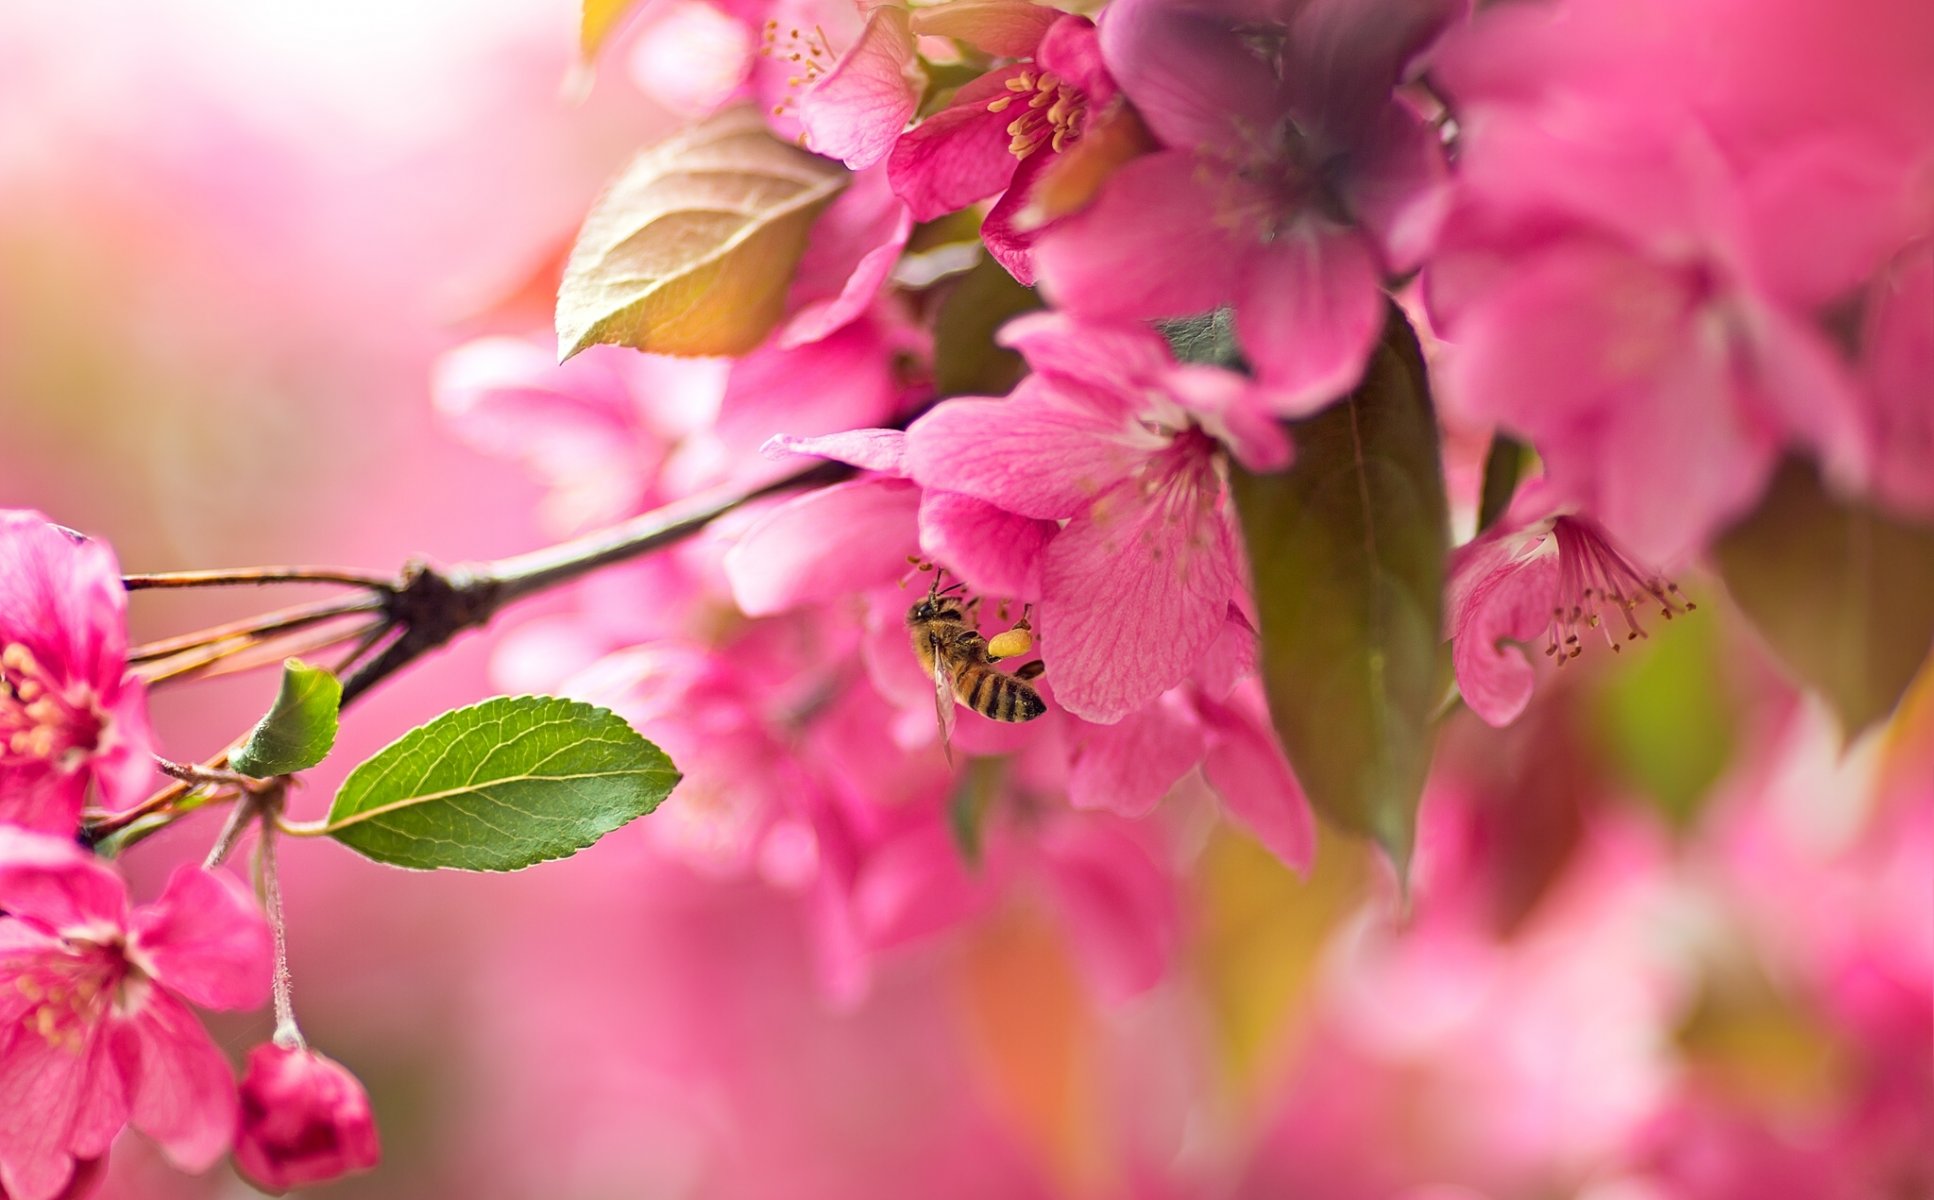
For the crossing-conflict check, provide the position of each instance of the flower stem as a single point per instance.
(269, 883)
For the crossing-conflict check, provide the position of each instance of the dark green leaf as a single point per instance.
(1209, 339)
(966, 359)
(1347, 550)
(300, 727)
(1844, 594)
(500, 785)
(692, 250)
(1503, 467)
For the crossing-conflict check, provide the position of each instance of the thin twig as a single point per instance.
(256, 576)
(282, 619)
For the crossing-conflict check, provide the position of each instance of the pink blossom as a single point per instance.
(1111, 437)
(304, 1120)
(1542, 575)
(93, 1031)
(1293, 183)
(1652, 220)
(1003, 129)
(68, 714)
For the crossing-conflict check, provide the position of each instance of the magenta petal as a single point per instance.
(1899, 341)
(1344, 56)
(36, 797)
(1246, 767)
(958, 155)
(1400, 186)
(1129, 766)
(61, 597)
(205, 939)
(853, 247)
(1145, 248)
(856, 112)
(183, 1093)
(56, 1102)
(1500, 601)
(915, 885)
(1039, 453)
(1175, 571)
(995, 551)
(53, 883)
(1117, 357)
(1309, 315)
(882, 450)
(823, 545)
(1071, 49)
(124, 768)
(1193, 75)
(1001, 232)
(1119, 904)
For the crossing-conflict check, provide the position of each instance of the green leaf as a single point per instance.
(966, 359)
(1209, 339)
(300, 726)
(1347, 550)
(1503, 467)
(499, 786)
(1843, 594)
(692, 250)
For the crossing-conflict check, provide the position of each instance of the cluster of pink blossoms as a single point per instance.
(94, 1032)
(1635, 246)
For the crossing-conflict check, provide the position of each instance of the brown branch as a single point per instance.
(255, 576)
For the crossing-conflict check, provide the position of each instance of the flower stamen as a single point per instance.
(40, 720)
(1054, 114)
(1606, 587)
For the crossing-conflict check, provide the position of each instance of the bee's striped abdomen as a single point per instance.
(999, 697)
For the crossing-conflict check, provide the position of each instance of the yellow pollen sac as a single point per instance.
(1053, 115)
(1012, 644)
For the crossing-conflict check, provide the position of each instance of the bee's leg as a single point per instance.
(1030, 670)
(972, 612)
(972, 644)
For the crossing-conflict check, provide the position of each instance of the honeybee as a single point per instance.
(962, 664)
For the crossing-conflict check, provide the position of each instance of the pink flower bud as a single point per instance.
(305, 1119)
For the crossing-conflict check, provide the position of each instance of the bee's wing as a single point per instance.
(943, 699)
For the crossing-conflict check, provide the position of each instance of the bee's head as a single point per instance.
(934, 608)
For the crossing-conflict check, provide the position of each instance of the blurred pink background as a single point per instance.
(234, 237)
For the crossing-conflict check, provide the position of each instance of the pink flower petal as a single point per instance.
(1126, 768)
(57, 1102)
(1174, 571)
(1004, 28)
(205, 939)
(1071, 50)
(853, 247)
(1192, 75)
(56, 885)
(1400, 187)
(997, 450)
(1499, 601)
(1344, 56)
(958, 155)
(1119, 904)
(61, 597)
(853, 387)
(1900, 360)
(856, 112)
(1309, 314)
(1246, 767)
(823, 545)
(574, 426)
(882, 450)
(1100, 355)
(183, 1091)
(995, 551)
(1145, 248)
(915, 885)
(124, 768)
